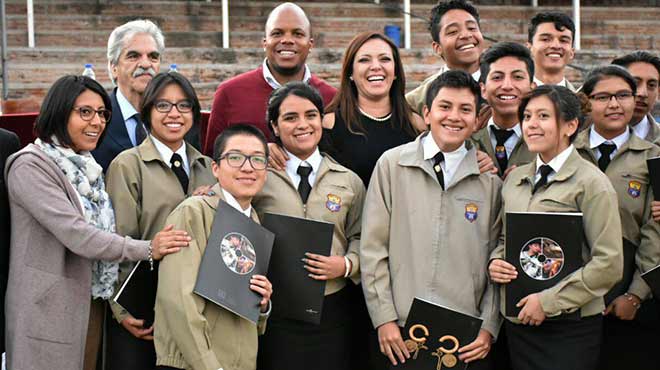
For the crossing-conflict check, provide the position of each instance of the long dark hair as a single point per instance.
(346, 99)
(53, 119)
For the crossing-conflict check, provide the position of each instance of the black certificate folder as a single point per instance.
(298, 296)
(434, 333)
(544, 248)
(652, 278)
(138, 293)
(237, 249)
(654, 173)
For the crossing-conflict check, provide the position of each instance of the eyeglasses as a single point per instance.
(87, 113)
(163, 106)
(606, 97)
(237, 160)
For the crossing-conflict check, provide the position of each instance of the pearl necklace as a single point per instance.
(377, 119)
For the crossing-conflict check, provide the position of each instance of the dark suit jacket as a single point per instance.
(116, 138)
(9, 145)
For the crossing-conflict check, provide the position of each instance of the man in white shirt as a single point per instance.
(550, 41)
(134, 55)
(645, 68)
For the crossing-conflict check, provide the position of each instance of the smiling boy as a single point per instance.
(429, 246)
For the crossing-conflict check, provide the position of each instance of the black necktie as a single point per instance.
(177, 166)
(606, 151)
(437, 168)
(304, 188)
(501, 136)
(545, 171)
(140, 130)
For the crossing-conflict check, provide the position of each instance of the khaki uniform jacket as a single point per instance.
(579, 186)
(519, 156)
(336, 197)
(144, 190)
(417, 97)
(630, 177)
(192, 333)
(420, 240)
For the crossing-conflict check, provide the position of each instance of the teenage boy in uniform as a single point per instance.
(431, 246)
(550, 41)
(507, 71)
(457, 39)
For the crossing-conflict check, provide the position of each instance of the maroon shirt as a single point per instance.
(243, 99)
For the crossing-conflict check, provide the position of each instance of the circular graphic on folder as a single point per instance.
(541, 258)
(238, 253)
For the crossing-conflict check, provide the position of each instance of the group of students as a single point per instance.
(418, 195)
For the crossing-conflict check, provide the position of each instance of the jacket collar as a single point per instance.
(213, 200)
(149, 152)
(567, 170)
(412, 155)
(634, 143)
(328, 164)
(116, 130)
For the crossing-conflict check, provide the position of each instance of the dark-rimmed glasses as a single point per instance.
(87, 113)
(237, 160)
(620, 96)
(163, 106)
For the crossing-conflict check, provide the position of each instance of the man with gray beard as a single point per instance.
(134, 55)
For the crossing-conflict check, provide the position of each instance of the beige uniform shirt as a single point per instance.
(579, 186)
(630, 177)
(192, 333)
(144, 190)
(420, 240)
(519, 156)
(336, 197)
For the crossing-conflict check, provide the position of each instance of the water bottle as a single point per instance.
(89, 71)
(173, 68)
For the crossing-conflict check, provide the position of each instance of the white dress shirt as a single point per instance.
(642, 128)
(452, 159)
(555, 163)
(511, 142)
(595, 140)
(166, 153)
(234, 203)
(272, 81)
(128, 111)
(292, 164)
(563, 82)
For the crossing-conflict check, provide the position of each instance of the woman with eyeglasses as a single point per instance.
(632, 322)
(560, 327)
(145, 184)
(64, 250)
(314, 186)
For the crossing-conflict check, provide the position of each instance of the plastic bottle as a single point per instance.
(173, 68)
(89, 71)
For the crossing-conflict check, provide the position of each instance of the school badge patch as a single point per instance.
(333, 203)
(634, 189)
(471, 212)
(500, 152)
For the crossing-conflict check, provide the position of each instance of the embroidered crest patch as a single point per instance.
(634, 189)
(471, 212)
(500, 152)
(333, 203)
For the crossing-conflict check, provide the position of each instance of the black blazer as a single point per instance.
(9, 144)
(116, 138)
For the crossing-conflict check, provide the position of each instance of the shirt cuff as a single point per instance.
(267, 313)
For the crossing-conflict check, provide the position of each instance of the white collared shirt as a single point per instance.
(294, 162)
(511, 142)
(452, 159)
(166, 153)
(234, 203)
(272, 81)
(128, 111)
(642, 128)
(595, 140)
(555, 163)
(563, 82)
